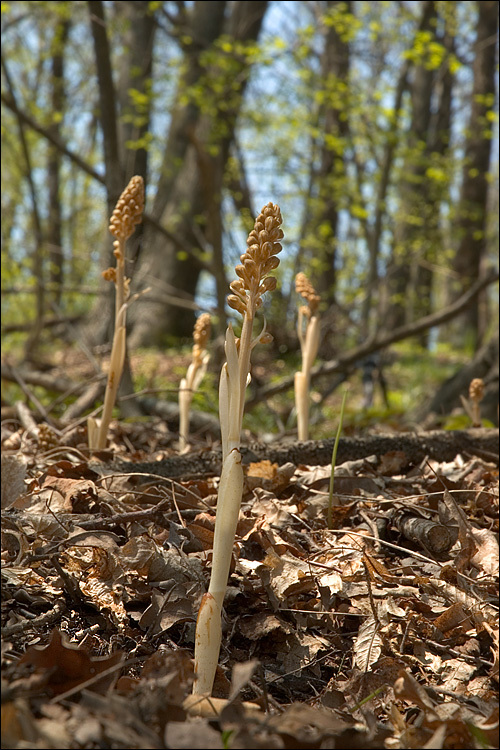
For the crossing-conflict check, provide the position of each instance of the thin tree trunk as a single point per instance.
(437, 190)
(102, 325)
(375, 231)
(113, 160)
(410, 234)
(330, 182)
(135, 96)
(198, 143)
(115, 175)
(38, 251)
(54, 227)
(474, 195)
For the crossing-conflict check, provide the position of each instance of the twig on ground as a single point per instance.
(38, 622)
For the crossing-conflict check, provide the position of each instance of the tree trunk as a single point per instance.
(375, 231)
(437, 187)
(54, 226)
(323, 212)
(188, 200)
(37, 264)
(473, 199)
(139, 37)
(410, 240)
(370, 322)
(134, 95)
(115, 175)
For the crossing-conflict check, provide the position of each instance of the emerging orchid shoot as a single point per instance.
(263, 245)
(194, 376)
(127, 213)
(308, 333)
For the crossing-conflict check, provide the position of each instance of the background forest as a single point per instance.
(373, 126)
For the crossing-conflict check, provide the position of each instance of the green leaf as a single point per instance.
(334, 459)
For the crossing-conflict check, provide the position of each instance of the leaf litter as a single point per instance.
(381, 631)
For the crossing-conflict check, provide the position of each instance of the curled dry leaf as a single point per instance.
(368, 644)
(12, 478)
(67, 665)
(486, 556)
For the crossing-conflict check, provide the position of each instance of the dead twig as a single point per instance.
(37, 622)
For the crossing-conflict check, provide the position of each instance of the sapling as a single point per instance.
(308, 333)
(194, 375)
(259, 259)
(127, 213)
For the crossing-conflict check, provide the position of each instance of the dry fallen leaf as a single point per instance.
(486, 556)
(299, 602)
(66, 665)
(13, 475)
(367, 645)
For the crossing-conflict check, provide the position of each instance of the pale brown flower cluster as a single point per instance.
(304, 287)
(201, 334)
(47, 438)
(128, 210)
(109, 275)
(259, 259)
(476, 390)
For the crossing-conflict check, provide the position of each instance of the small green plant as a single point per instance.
(195, 374)
(259, 259)
(127, 213)
(308, 333)
(334, 461)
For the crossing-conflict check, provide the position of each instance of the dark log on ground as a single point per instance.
(441, 445)
(430, 535)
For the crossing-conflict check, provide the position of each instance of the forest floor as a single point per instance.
(366, 622)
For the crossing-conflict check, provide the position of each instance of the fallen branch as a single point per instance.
(25, 417)
(432, 536)
(56, 383)
(93, 393)
(441, 445)
(47, 323)
(201, 422)
(375, 344)
(47, 618)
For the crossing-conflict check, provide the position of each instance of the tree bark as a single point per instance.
(114, 172)
(102, 324)
(134, 97)
(197, 151)
(370, 322)
(136, 72)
